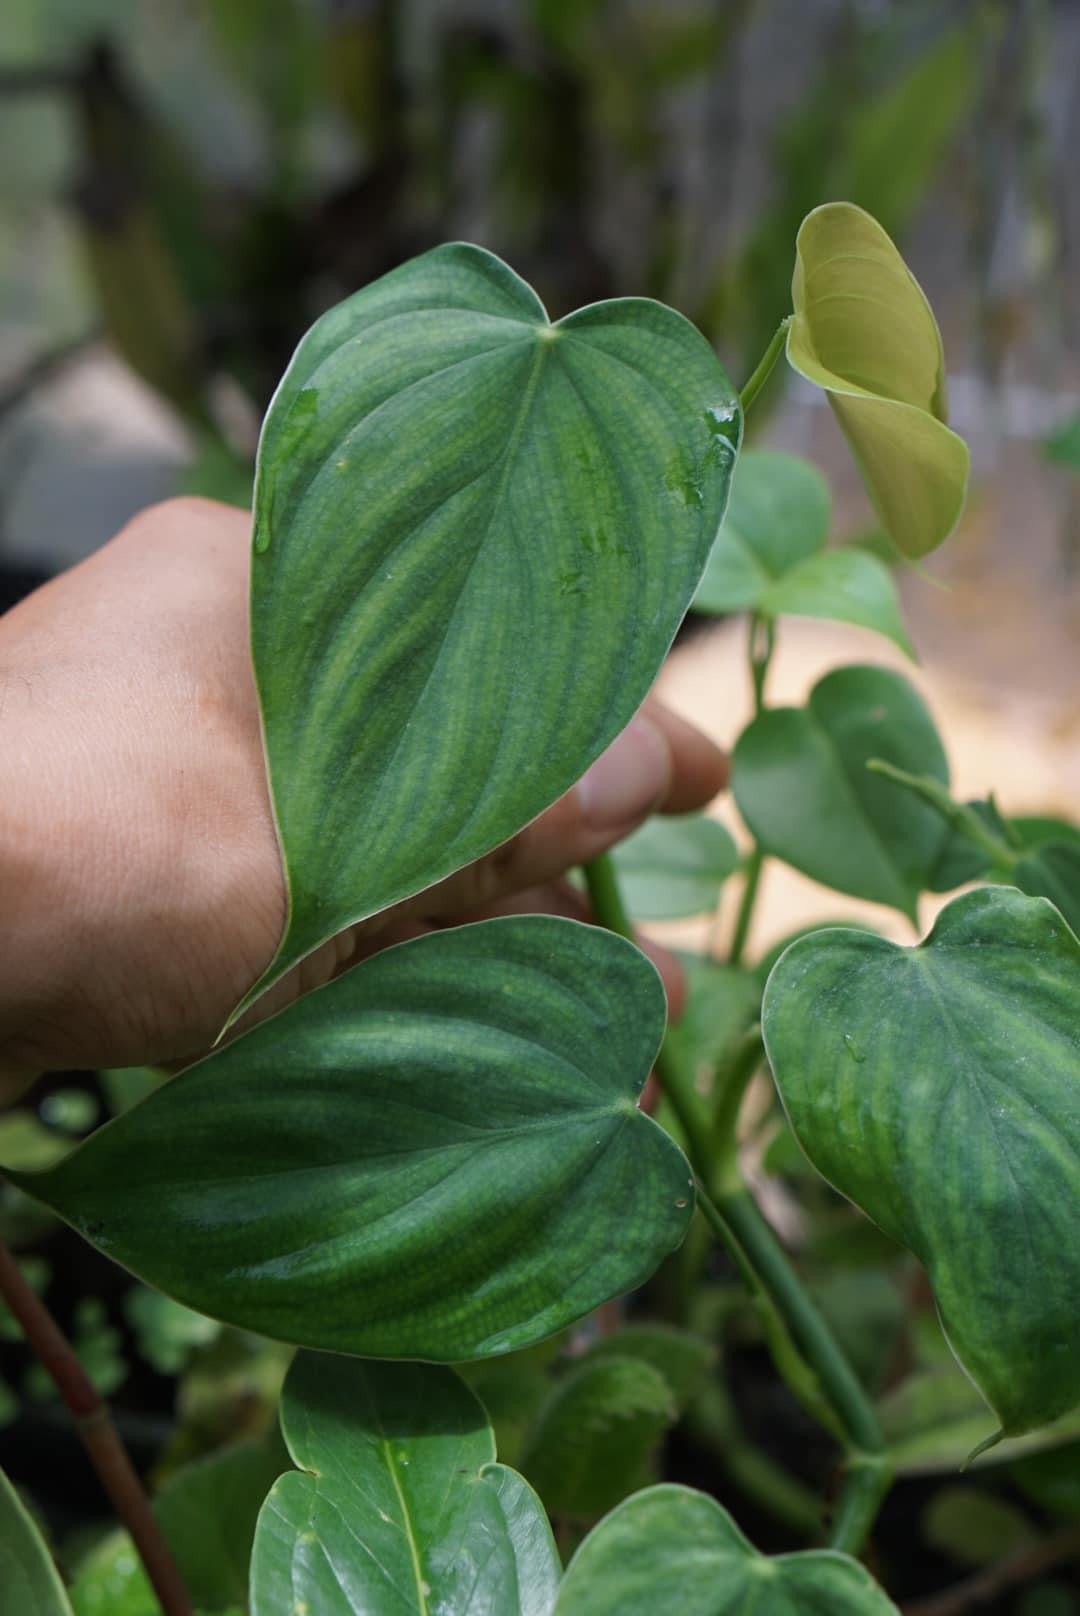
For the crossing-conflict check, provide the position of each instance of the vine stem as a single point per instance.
(751, 880)
(764, 368)
(107, 1453)
(738, 1223)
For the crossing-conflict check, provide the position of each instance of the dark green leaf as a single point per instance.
(423, 1158)
(670, 1548)
(673, 867)
(594, 1440)
(1052, 871)
(683, 1360)
(208, 1512)
(399, 1506)
(475, 536)
(1052, 1479)
(937, 1087)
(29, 1584)
(801, 783)
(777, 517)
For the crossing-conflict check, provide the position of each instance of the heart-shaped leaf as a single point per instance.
(437, 1155)
(863, 330)
(777, 516)
(673, 867)
(801, 783)
(670, 1548)
(29, 1582)
(475, 536)
(769, 555)
(938, 1087)
(399, 1505)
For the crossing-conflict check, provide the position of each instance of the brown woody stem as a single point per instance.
(107, 1453)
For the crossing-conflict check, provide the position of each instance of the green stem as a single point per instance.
(746, 906)
(735, 1218)
(712, 1421)
(107, 1453)
(764, 366)
(737, 1221)
(610, 912)
(959, 815)
(762, 643)
(733, 1081)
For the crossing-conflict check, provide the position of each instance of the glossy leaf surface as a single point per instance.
(29, 1582)
(399, 1508)
(436, 1155)
(673, 867)
(801, 783)
(938, 1087)
(475, 536)
(769, 556)
(671, 1548)
(863, 331)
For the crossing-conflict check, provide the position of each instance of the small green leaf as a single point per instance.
(846, 586)
(166, 1333)
(778, 516)
(595, 1439)
(769, 555)
(673, 867)
(475, 536)
(670, 1548)
(399, 1505)
(801, 783)
(29, 1582)
(937, 1087)
(436, 1155)
(863, 331)
(682, 1359)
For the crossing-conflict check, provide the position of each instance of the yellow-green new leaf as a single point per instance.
(863, 331)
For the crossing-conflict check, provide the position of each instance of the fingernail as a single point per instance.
(627, 780)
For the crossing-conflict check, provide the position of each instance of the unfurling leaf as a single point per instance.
(863, 331)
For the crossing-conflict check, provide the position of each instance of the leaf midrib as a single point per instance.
(410, 1534)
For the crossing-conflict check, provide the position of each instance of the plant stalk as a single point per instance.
(751, 881)
(107, 1453)
(764, 367)
(737, 1221)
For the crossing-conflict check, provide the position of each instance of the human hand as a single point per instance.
(141, 889)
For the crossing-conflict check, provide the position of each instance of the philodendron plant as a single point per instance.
(476, 532)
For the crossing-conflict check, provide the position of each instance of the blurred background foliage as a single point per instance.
(193, 181)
